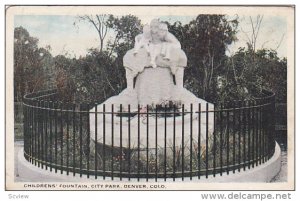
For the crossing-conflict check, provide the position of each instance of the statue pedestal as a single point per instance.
(140, 131)
(154, 86)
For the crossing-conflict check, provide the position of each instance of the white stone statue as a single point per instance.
(155, 47)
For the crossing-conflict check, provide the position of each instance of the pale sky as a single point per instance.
(59, 32)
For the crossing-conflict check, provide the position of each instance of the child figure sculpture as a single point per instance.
(169, 44)
(162, 49)
(169, 41)
(144, 40)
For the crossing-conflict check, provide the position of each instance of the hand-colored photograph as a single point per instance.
(150, 98)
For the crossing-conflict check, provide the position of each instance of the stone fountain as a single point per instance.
(154, 73)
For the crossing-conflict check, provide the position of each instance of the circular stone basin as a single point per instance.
(138, 131)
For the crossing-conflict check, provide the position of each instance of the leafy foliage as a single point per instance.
(205, 40)
(32, 64)
(211, 74)
(262, 70)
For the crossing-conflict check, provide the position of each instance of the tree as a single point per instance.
(126, 28)
(30, 64)
(257, 69)
(205, 41)
(100, 74)
(65, 77)
(252, 37)
(96, 77)
(99, 22)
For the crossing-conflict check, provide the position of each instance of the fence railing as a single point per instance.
(168, 142)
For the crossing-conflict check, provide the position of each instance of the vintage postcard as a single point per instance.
(150, 97)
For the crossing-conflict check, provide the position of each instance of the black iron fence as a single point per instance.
(166, 141)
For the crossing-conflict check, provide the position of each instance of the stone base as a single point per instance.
(116, 126)
(260, 174)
